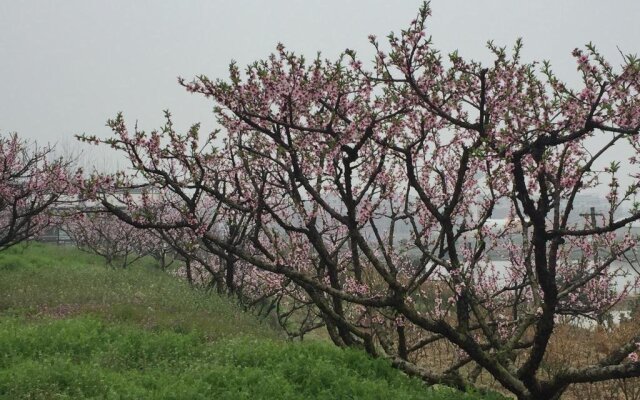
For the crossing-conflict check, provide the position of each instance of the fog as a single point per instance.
(68, 66)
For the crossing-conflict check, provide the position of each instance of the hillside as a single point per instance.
(70, 328)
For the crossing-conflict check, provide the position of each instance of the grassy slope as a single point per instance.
(71, 328)
(59, 282)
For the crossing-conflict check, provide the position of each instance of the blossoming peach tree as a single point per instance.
(174, 220)
(372, 191)
(32, 181)
(119, 243)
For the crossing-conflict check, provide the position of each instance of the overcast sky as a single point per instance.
(68, 66)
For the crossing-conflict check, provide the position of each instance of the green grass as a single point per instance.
(70, 328)
(41, 280)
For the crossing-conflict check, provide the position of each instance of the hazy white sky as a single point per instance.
(66, 66)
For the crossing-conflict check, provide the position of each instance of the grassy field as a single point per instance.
(71, 328)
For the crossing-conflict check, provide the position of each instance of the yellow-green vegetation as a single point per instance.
(48, 281)
(70, 328)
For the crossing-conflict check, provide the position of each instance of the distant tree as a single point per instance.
(329, 161)
(117, 242)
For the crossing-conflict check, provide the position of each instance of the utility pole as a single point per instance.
(591, 218)
(592, 215)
